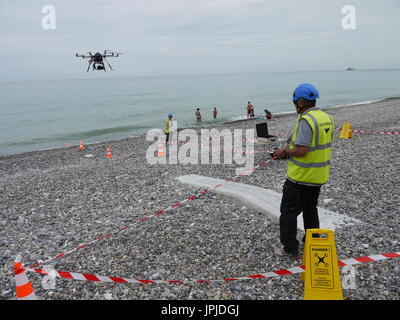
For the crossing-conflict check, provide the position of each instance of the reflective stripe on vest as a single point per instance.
(314, 167)
(312, 164)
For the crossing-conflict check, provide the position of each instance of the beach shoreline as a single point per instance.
(55, 200)
(219, 124)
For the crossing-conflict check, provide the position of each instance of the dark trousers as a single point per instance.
(297, 198)
(166, 137)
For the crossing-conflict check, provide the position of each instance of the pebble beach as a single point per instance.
(54, 200)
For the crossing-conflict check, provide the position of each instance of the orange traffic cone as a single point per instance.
(23, 287)
(108, 152)
(81, 147)
(160, 150)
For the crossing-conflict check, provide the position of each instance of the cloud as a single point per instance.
(197, 36)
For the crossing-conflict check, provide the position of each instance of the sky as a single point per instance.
(174, 37)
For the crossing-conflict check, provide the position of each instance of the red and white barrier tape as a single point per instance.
(375, 132)
(386, 132)
(171, 207)
(277, 273)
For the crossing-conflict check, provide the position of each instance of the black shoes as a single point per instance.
(292, 256)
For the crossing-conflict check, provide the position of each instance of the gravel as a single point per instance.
(53, 200)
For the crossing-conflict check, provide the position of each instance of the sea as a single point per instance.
(37, 115)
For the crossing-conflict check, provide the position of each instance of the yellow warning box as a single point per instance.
(321, 277)
(346, 132)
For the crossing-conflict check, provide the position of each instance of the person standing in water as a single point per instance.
(198, 115)
(215, 113)
(250, 110)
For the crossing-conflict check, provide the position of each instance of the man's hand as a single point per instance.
(279, 153)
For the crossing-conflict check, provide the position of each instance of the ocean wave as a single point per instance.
(77, 135)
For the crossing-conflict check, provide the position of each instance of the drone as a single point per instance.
(98, 59)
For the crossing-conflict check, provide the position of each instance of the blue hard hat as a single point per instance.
(170, 114)
(306, 91)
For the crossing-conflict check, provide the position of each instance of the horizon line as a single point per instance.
(199, 74)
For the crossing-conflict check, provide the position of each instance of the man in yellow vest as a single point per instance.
(168, 127)
(309, 163)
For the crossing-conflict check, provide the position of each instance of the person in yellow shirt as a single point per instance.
(168, 127)
(309, 163)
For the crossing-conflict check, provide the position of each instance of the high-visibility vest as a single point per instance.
(167, 124)
(314, 167)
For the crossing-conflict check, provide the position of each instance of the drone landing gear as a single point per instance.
(90, 62)
(107, 63)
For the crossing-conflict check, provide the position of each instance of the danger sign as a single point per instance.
(321, 276)
(321, 267)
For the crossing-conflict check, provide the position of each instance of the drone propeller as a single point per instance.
(108, 53)
(83, 56)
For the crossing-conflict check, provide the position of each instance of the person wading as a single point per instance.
(215, 113)
(250, 110)
(198, 115)
(309, 163)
